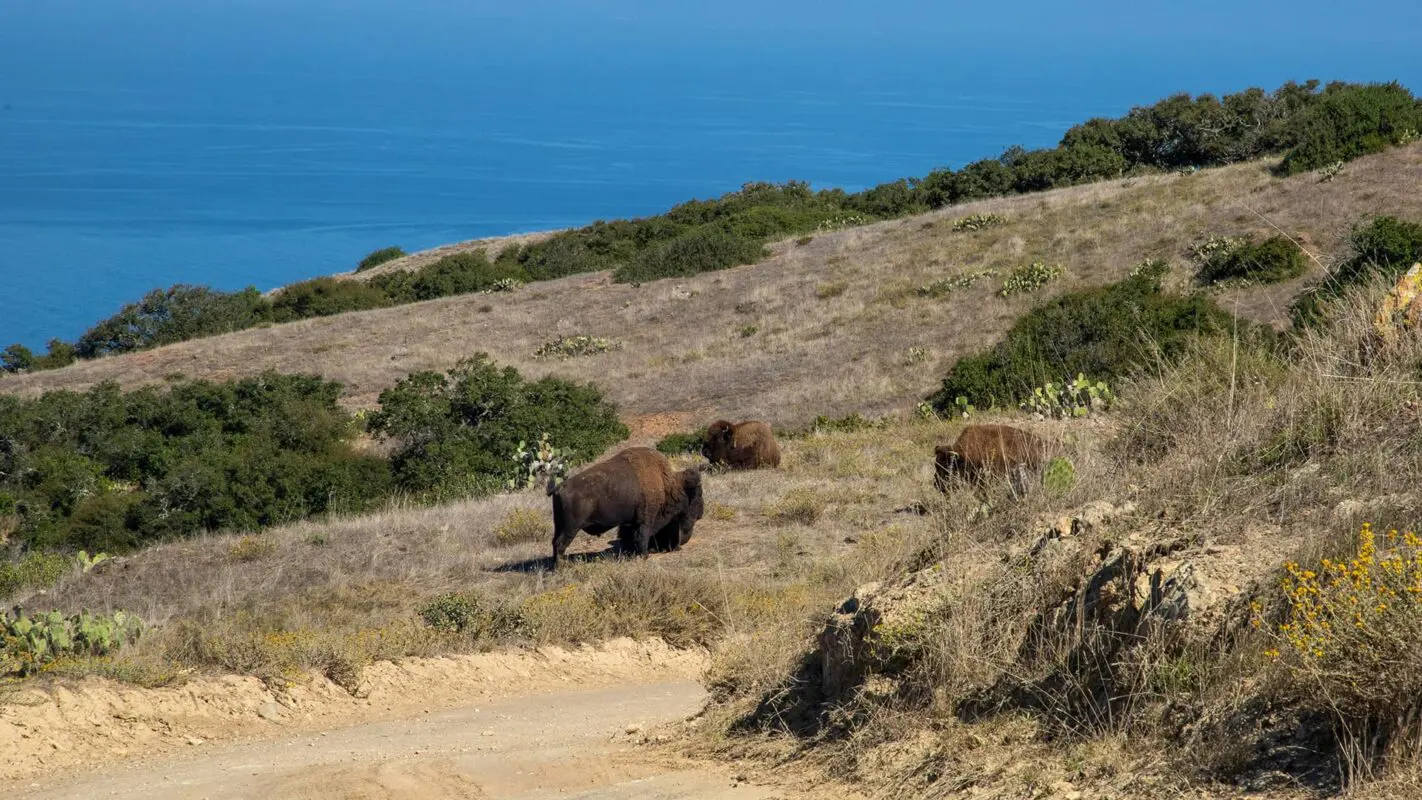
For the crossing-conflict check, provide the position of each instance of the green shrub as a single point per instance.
(1225, 258)
(698, 251)
(17, 358)
(1351, 121)
(456, 434)
(176, 314)
(849, 423)
(323, 297)
(379, 257)
(59, 354)
(110, 471)
(1104, 332)
(1030, 277)
(1384, 248)
(34, 571)
(678, 443)
(474, 615)
(461, 273)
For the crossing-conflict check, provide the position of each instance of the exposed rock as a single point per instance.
(1401, 309)
(873, 629)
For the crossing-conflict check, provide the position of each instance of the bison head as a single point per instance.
(946, 461)
(717, 446)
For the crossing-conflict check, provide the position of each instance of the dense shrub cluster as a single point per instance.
(1104, 332)
(457, 433)
(107, 470)
(677, 443)
(1383, 248)
(379, 257)
(1312, 126)
(1224, 258)
(1348, 122)
(170, 315)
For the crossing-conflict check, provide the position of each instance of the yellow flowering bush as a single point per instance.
(1355, 626)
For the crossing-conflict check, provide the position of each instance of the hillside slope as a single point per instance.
(820, 327)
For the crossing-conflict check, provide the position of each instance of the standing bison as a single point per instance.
(744, 445)
(985, 451)
(634, 491)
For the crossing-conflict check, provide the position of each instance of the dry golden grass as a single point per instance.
(809, 354)
(334, 595)
(1246, 459)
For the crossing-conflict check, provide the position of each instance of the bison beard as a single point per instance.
(634, 491)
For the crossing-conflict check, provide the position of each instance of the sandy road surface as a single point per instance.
(569, 744)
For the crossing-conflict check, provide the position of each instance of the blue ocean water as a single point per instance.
(138, 152)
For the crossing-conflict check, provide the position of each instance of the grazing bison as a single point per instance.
(634, 491)
(744, 445)
(984, 451)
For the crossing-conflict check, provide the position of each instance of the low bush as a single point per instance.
(176, 314)
(110, 471)
(35, 570)
(379, 257)
(678, 443)
(1105, 332)
(323, 297)
(522, 526)
(461, 273)
(457, 433)
(1384, 248)
(1221, 258)
(1351, 627)
(474, 615)
(1351, 121)
(695, 252)
(798, 506)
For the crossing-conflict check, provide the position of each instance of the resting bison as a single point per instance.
(634, 491)
(744, 445)
(984, 451)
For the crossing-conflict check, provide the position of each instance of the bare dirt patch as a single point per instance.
(48, 731)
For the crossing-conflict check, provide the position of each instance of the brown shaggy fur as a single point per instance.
(987, 451)
(635, 491)
(744, 445)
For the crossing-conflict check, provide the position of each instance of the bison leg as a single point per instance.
(563, 531)
(644, 539)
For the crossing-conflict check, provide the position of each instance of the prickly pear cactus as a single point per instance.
(29, 641)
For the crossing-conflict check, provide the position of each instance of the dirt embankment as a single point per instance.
(507, 724)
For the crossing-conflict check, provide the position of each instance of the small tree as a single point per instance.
(17, 358)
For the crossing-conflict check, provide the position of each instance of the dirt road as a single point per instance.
(576, 739)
